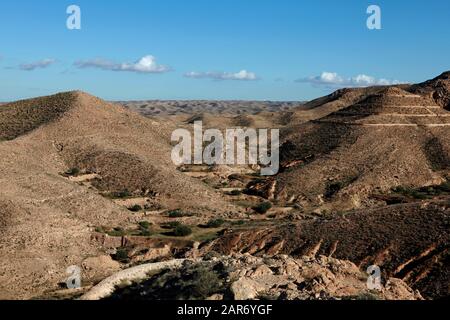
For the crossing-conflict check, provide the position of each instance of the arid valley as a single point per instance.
(364, 180)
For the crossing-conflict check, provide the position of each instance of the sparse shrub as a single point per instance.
(145, 233)
(117, 232)
(412, 193)
(120, 194)
(182, 231)
(333, 188)
(216, 223)
(171, 225)
(121, 255)
(176, 213)
(145, 224)
(135, 208)
(262, 208)
(72, 172)
(144, 229)
(191, 282)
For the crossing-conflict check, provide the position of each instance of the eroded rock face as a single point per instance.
(392, 237)
(282, 277)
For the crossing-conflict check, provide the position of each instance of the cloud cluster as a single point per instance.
(242, 75)
(146, 64)
(41, 64)
(332, 80)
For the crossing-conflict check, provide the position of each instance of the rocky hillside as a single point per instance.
(245, 277)
(72, 162)
(391, 138)
(408, 241)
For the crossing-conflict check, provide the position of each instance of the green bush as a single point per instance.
(182, 231)
(135, 208)
(216, 223)
(172, 224)
(412, 193)
(176, 213)
(117, 232)
(145, 224)
(334, 188)
(121, 255)
(262, 208)
(191, 282)
(145, 233)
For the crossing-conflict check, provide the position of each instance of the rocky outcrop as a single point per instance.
(246, 277)
(283, 277)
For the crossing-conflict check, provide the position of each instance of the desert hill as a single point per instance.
(390, 138)
(364, 177)
(218, 114)
(189, 107)
(63, 160)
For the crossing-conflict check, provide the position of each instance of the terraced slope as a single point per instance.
(391, 138)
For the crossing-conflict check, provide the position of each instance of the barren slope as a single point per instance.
(389, 139)
(47, 218)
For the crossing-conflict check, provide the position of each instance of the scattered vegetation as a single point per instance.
(119, 194)
(192, 282)
(263, 207)
(135, 208)
(117, 232)
(144, 229)
(215, 223)
(424, 192)
(171, 225)
(182, 231)
(410, 192)
(100, 229)
(178, 213)
(145, 224)
(333, 188)
(121, 255)
(145, 233)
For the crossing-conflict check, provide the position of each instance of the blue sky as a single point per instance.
(222, 49)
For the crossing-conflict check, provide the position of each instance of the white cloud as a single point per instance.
(332, 80)
(146, 64)
(41, 64)
(243, 75)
